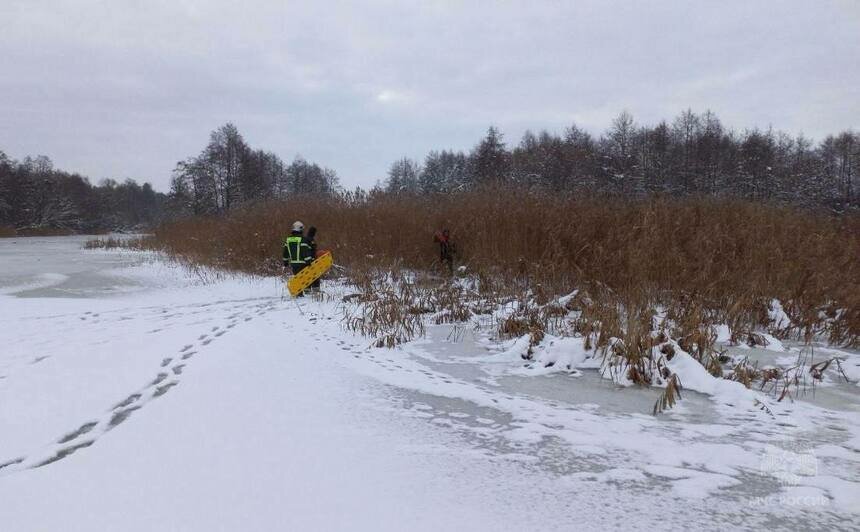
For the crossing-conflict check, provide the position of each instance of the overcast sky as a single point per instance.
(127, 88)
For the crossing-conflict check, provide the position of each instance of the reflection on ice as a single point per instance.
(57, 267)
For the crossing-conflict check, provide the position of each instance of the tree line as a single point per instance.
(35, 196)
(228, 173)
(695, 154)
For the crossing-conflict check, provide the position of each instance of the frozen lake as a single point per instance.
(135, 396)
(57, 267)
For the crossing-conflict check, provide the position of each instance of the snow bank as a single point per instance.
(695, 377)
(565, 354)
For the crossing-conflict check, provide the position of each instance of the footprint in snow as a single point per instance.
(15, 461)
(83, 429)
(127, 401)
(120, 412)
(64, 452)
(120, 416)
(163, 389)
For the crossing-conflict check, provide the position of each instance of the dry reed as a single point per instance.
(707, 261)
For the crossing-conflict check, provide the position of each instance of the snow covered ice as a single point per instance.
(136, 396)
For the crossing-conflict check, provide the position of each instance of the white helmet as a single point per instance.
(298, 226)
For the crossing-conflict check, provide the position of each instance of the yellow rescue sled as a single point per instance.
(310, 273)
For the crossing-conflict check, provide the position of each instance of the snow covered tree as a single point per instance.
(403, 177)
(847, 166)
(581, 155)
(224, 158)
(302, 177)
(620, 146)
(444, 172)
(490, 160)
(5, 190)
(543, 161)
(685, 129)
(755, 173)
(709, 153)
(263, 176)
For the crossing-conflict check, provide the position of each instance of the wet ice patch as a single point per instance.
(15, 285)
(699, 485)
(620, 475)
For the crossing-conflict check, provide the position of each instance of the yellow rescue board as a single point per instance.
(309, 274)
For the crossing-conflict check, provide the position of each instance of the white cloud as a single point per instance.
(393, 96)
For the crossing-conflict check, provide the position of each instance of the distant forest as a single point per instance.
(36, 198)
(694, 155)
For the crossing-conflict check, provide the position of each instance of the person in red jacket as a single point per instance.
(446, 249)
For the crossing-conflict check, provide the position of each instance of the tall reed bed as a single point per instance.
(704, 261)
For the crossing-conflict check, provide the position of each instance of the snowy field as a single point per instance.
(135, 396)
